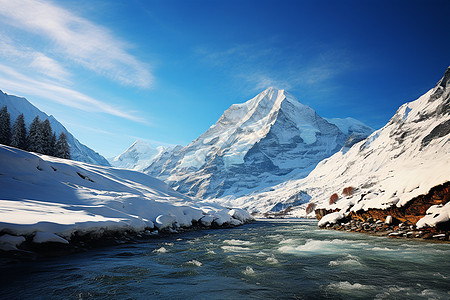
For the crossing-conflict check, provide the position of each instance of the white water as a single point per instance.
(272, 259)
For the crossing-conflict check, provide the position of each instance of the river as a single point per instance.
(268, 259)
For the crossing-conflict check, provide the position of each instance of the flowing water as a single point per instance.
(272, 259)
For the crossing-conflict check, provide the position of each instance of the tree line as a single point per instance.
(40, 138)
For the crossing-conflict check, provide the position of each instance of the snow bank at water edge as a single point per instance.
(46, 199)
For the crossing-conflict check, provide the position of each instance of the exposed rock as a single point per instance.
(397, 222)
(412, 211)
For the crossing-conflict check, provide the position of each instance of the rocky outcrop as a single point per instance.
(320, 212)
(412, 211)
(400, 219)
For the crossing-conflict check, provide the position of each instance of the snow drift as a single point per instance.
(51, 199)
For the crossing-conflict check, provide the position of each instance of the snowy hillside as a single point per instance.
(254, 145)
(351, 126)
(138, 156)
(404, 159)
(51, 199)
(17, 105)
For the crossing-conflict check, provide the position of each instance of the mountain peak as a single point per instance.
(445, 81)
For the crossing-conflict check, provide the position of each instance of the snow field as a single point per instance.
(50, 199)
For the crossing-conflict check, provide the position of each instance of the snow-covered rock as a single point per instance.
(402, 160)
(253, 146)
(10, 242)
(435, 214)
(52, 199)
(45, 237)
(331, 218)
(138, 156)
(18, 105)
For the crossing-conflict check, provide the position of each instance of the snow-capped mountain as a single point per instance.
(138, 156)
(351, 126)
(254, 145)
(402, 160)
(17, 105)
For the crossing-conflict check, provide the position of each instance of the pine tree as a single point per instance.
(62, 149)
(19, 133)
(34, 140)
(5, 126)
(46, 135)
(53, 145)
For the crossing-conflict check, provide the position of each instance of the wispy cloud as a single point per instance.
(21, 83)
(32, 59)
(265, 65)
(77, 39)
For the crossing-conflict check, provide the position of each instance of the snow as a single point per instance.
(253, 146)
(17, 105)
(10, 242)
(45, 237)
(331, 218)
(51, 199)
(165, 221)
(396, 163)
(138, 156)
(240, 214)
(350, 125)
(435, 214)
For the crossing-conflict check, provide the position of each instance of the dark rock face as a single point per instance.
(440, 130)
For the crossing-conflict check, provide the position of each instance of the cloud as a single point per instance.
(77, 39)
(263, 65)
(20, 83)
(32, 59)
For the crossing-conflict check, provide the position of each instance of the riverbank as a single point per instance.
(424, 217)
(51, 206)
(80, 242)
(380, 228)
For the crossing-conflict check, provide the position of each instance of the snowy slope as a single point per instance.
(350, 126)
(254, 145)
(17, 105)
(47, 195)
(402, 160)
(138, 156)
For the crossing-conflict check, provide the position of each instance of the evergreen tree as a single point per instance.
(62, 149)
(5, 126)
(34, 140)
(19, 133)
(53, 145)
(46, 135)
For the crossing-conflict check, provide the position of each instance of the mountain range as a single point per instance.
(78, 151)
(397, 163)
(138, 156)
(255, 145)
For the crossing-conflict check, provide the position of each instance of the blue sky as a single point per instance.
(164, 71)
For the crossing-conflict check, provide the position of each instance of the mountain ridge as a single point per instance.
(138, 156)
(404, 159)
(253, 145)
(79, 152)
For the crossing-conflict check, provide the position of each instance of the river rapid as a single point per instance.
(268, 259)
